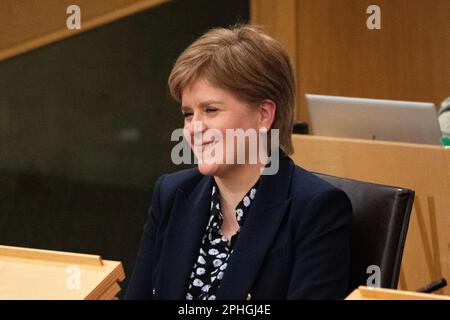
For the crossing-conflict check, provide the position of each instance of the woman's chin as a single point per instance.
(209, 169)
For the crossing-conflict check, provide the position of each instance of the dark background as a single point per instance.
(85, 128)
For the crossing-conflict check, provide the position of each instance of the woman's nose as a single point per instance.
(195, 128)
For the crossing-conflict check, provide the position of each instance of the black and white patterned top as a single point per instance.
(215, 249)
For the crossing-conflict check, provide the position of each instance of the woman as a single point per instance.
(226, 230)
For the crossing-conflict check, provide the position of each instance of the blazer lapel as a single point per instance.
(186, 228)
(258, 232)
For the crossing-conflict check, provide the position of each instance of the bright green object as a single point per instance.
(446, 140)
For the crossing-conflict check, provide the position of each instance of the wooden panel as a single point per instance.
(336, 54)
(419, 167)
(280, 23)
(29, 24)
(279, 19)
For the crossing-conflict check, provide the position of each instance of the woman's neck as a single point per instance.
(236, 183)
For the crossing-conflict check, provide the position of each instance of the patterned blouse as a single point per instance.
(215, 249)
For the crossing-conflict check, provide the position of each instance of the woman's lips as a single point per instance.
(205, 145)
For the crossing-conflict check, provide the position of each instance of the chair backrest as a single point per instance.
(379, 226)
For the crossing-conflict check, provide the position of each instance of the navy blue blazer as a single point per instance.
(294, 243)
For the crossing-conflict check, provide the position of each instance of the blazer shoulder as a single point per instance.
(185, 179)
(306, 186)
(318, 202)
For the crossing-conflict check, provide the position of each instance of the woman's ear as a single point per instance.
(267, 110)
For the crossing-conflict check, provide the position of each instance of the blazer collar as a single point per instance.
(258, 232)
(187, 226)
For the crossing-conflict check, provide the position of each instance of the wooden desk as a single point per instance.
(367, 293)
(29, 274)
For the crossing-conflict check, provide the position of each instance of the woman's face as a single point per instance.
(206, 107)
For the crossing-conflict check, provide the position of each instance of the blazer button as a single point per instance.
(249, 296)
(154, 292)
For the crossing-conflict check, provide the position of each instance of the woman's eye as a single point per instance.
(210, 110)
(187, 114)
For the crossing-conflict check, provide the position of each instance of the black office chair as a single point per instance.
(300, 128)
(380, 223)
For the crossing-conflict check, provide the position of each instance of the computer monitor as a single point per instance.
(374, 119)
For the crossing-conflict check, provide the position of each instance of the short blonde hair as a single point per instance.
(245, 61)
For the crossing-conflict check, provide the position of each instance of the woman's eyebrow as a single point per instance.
(185, 109)
(208, 102)
(203, 104)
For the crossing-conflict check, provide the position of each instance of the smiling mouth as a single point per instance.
(205, 145)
